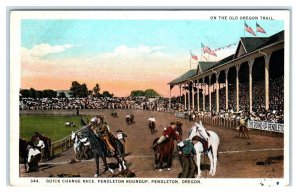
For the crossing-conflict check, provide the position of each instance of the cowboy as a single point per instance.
(121, 136)
(186, 153)
(41, 146)
(34, 156)
(242, 123)
(151, 119)
(167, 133)
(106, 136)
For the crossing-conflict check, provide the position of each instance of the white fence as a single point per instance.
(265, 126)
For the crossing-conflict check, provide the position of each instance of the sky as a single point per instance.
(122, 55)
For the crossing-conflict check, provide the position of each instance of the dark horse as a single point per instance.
(163, 152)
(47, 142)
(114, 114)
(151, 125)
(99, 149)
(23, 153)
(243, 129)
(130, 120)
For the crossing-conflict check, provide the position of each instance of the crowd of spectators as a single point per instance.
(141, 103)
(259, 113)
(274, 114)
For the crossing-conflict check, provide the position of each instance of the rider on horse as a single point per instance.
(107, 136)
(167, 133)
(152, 119)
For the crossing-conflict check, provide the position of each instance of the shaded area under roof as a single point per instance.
(184, 77)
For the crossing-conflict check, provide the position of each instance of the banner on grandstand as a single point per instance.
(266, 126)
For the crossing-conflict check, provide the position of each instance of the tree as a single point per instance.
(61, 95)
(151, 93)
(135, 93)
(75, 89)
(96, 90)
(107, 94)
(25, 93)
(79, 90)
(32, 93)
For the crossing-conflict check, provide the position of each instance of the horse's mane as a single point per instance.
(98, 146)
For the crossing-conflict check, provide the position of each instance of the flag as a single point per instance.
(259, 28)
(206, 49)
(212, 52)
(249, 29)
(194, 56)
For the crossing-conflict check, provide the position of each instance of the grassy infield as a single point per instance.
(51, 126)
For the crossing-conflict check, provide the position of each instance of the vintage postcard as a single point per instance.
(149, 97)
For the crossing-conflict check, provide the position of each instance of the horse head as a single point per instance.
(198, 129)
(201, 130)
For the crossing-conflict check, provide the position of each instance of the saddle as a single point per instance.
(205, 144)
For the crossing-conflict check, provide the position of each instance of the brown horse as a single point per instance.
(243, 129)
(130, 120)
(163, 152)
(47, 142)
(151, 125)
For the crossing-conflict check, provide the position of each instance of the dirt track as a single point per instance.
(231, 164)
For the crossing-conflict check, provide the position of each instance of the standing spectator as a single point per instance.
(186, 153)
(34, 156)
(41, 147)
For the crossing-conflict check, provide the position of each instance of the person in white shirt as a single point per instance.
(34, 156)
(41, 146)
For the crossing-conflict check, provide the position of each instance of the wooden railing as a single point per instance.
(62, 145)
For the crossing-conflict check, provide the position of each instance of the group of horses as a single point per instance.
(163, 152)
(23, 144)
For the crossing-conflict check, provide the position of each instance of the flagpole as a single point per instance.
(190, 59)
(244, 29)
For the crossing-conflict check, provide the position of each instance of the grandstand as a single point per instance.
(249, 82)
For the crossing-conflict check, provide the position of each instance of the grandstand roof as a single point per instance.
(204, 65)
(246, 45)
(184, 77)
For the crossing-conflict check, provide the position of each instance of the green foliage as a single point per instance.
(136, 93)
(61, 95)
(96, 90)
(79, 90)
(32, 93)
(107, 94)
(151, 93)
(147, 93)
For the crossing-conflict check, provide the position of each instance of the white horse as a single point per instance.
(213, 144)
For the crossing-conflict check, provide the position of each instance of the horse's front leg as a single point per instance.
(97, 166)
(106, 165)
(211, 168)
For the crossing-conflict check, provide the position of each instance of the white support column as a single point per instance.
(170, 98)
(267, 79)
(226, 89)
(184, 98)
(203, 93)
(209, 92)
(237, 67)
(193, 96)
(250, 63)
(217, 91)
(180, 94)
(189, 97)
(198, 100)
